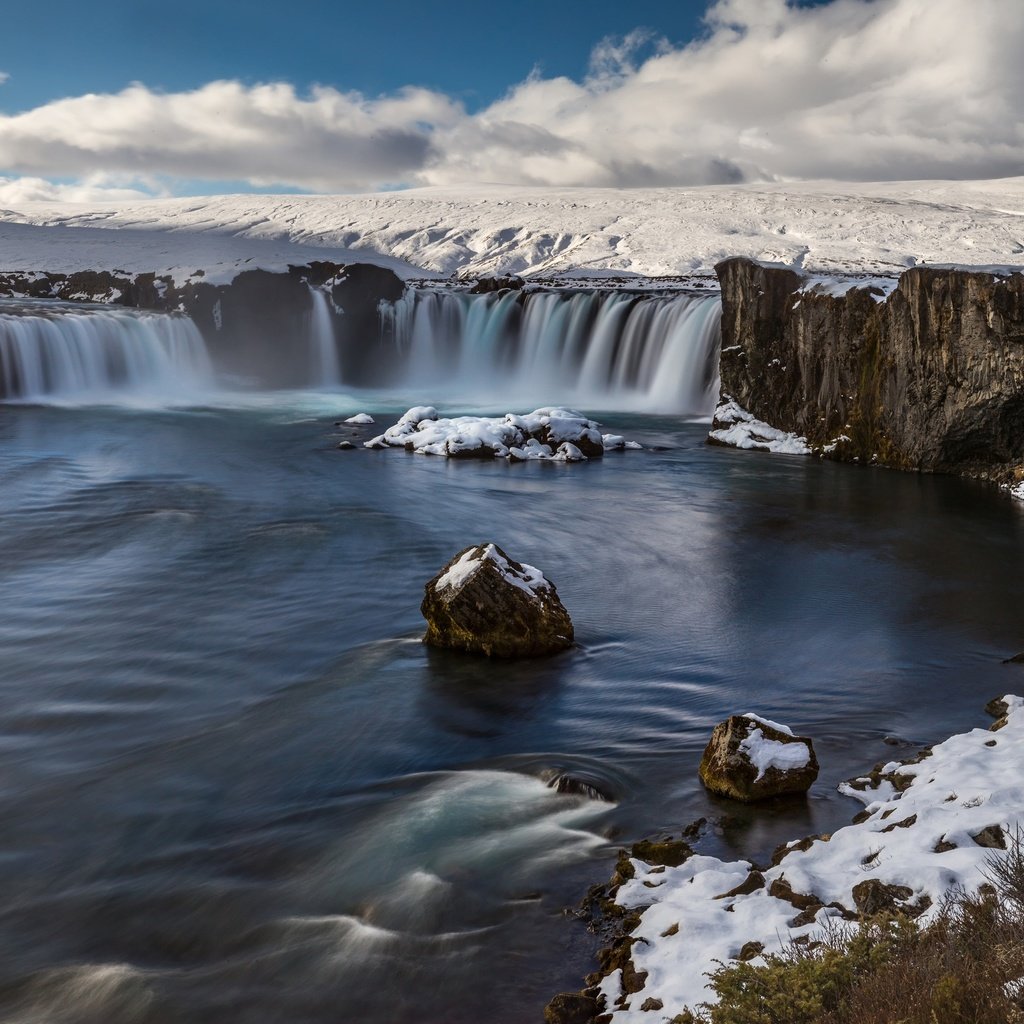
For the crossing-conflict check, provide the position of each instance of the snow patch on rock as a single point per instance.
(734, 427)
(527, 577)
(765, 753)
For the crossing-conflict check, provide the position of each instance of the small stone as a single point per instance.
(753, 882)
(905, 823)
(672, 929)
(650, 1003)
(571, 1008)
(670, 852)
(800, 846)
(780, 889)
(748, 759)
(806, 917)
(750, 950)
(991, 837)
(346, 445)
(874, 896)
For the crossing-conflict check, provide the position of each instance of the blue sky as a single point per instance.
(147, 99)
(467, 49)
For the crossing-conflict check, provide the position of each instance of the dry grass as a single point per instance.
(962, 969)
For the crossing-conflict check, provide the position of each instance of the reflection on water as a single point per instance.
(234, 786)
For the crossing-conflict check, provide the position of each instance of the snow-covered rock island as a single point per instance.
(546, 435)
(930, 827)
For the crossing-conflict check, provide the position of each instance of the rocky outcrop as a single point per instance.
(929, 378)
(247, 324)
(750, 758)
(484, 602)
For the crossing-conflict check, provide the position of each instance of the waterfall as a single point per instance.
(655, 352)
(326, 370)
(54, 350)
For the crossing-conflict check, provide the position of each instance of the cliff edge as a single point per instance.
(928, 377)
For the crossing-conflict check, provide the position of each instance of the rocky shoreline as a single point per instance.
(669, 915)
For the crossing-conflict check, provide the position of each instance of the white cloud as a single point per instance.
(92, 189)
(4, 76)
(264, 134)
(852, 89)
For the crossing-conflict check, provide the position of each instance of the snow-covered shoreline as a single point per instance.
(928, 827)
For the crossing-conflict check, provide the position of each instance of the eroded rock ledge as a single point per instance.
(929, 378)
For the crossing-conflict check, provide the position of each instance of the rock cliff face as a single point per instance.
(247, 323)
(930, 378)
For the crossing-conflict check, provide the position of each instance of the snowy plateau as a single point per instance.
(823, 227)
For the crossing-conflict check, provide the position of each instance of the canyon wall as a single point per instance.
(929, 378)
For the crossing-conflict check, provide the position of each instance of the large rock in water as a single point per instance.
(750, 758)
(484, 602)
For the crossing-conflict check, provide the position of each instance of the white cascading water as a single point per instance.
(54, 351)
(325, 367)
(600, 349)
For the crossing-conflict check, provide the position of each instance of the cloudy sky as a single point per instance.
(212, 97)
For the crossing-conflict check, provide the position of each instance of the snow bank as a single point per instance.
(550, 434)
(735, 427)
(928, 826)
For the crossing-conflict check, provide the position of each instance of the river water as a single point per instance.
(235, 787)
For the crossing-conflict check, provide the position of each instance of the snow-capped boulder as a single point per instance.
(484, 602)
(750, 758)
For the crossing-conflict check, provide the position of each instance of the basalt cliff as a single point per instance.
(930, 378)
(247, 322)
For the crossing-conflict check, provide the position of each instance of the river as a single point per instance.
(235, 786)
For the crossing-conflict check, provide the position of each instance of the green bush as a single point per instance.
(801, 984)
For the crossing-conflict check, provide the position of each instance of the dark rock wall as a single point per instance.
(258, 325)
(930, 379)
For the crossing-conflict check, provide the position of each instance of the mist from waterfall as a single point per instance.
(66, 351)
(651, 352)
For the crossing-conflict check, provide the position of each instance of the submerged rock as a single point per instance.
(575, 785)
(749, 758)
(484, 602)
(571, 1008)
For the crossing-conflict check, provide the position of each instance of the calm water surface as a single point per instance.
(234, 786)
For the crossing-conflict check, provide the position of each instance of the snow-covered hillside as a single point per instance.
(822, 226)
